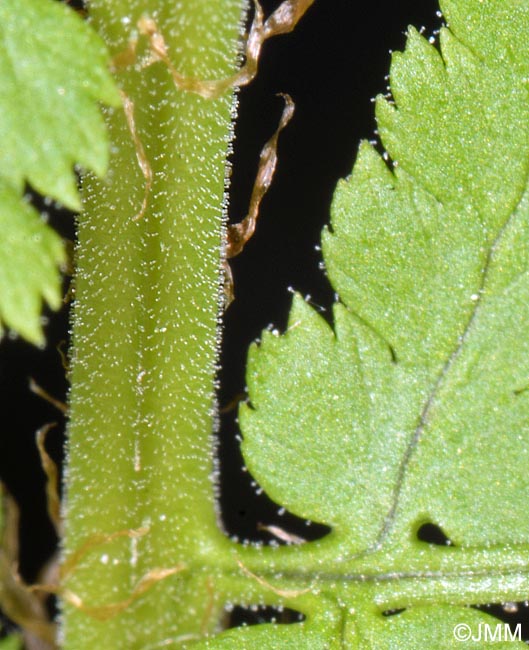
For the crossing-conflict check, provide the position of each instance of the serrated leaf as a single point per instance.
(412, 405)
(53, 69)
(430, 261)
(322, 435)
(30, 254)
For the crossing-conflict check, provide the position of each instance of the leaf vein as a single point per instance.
(415, 438)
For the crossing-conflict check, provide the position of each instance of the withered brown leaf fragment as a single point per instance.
(282, 21)
(240, 233)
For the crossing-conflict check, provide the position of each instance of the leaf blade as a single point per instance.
(31, 254)
(429, 257)
(54, 70)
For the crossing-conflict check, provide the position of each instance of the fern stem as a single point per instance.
(145, 340)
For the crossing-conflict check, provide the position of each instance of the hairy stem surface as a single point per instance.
(145, 340)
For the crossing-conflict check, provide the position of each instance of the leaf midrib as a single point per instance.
(415, 438)
(503, 577)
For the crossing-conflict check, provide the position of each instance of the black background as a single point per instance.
(332, 66)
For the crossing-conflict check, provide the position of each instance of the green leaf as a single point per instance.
(30, 253)
(53, 71)
(271, 637)
(430, 262)
(412, 406)
(440, 628)
(11, 643)
(293, 446)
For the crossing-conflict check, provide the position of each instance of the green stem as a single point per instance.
(146, 337)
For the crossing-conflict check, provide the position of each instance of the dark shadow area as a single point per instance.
(393, 612)
(239, 616)
(433, 534)
(515, 614)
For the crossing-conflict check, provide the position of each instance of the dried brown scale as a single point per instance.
(282, 21)
(143, 161)
(240, 233)
(52, 479)
(17, 600)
